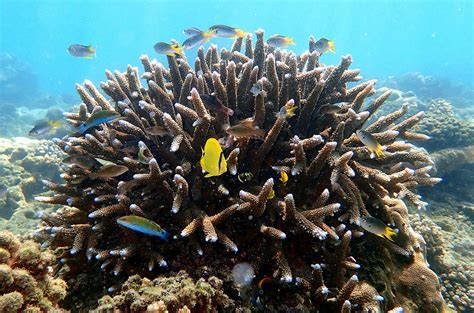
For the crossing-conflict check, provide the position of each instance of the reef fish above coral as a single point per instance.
(303, 230)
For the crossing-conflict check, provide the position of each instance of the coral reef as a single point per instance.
(446, 130)
(430, 87)
(24, 163)
(26, 284)
(448, 235)
(173, 291)
(304, 233)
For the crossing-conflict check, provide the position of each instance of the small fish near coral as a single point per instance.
(171, 49)
(198, 39)
(324, 45)
(109, 171)
(83, 161)
(245, 129)
(81, 51)
(213, 161)
(215, 104)
(377, 227)
(192, 31)
(44, 127)
(279, 41)
(143, 225)
(370, 142)
(224, 31)
(97, 118)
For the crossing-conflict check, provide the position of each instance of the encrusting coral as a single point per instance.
(281, 227)
(174, 292)
(26, 283)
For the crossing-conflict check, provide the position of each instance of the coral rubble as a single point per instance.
(26, 284)
(303, 232)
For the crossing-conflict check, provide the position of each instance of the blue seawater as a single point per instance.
(384, 37)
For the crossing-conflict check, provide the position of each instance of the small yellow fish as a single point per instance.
(271, 195)
(213, 160)
(370, 142)
(288, 110)
(283, 177)
(278, 41)
(377, 227)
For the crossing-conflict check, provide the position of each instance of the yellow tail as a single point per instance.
(291, 41)
(240, 33)
(332, 46)
(379, 151)
(389, 233)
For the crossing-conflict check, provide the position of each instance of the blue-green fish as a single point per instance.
(198, 39)
(192, 31)
(104, 116)
(225, 31)
(143, 225)
(279, 41)
(81, 51)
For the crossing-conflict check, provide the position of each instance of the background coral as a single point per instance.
(24, 163)
(26, 283)
(174, 292)
(447, 232)
(306, 236)
(446, 130)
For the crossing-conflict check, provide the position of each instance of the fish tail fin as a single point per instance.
(240, 33)
(332, 46)
(379, 151)
(389, 233)
(291, 41)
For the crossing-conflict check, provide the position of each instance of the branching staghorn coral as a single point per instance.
(285, 226)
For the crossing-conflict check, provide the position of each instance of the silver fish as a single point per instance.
(81, 51)
(199, 39)
(192, 31)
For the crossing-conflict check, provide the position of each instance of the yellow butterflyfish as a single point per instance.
(213, 160)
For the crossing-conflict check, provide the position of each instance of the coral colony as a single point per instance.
(291, 199)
